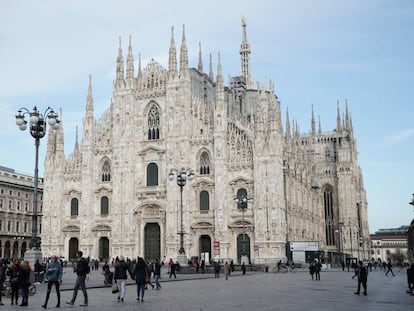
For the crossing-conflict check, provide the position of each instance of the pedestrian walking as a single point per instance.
(24, 282)
(216, 269)
(53, 276)
(13, 274)
(157, 273)
(173, 268)
(312, 269)
(82, 269)
(226, 270)
(140, 275)
(361, 273)
(150, 272)
(38, 269)
(202, 266)
(389, 268)
(243, 268)
(121, 276)
(2, 277)
(318, 267)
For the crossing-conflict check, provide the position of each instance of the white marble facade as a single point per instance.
(111, 196)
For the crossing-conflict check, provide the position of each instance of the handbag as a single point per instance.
(14, 280)
(115, 288)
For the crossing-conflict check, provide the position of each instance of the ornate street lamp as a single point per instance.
(182, 176)
(37, 130)
(241, 200)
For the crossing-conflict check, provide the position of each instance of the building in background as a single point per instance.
(111, 195)
(16, 211)
(390, 244)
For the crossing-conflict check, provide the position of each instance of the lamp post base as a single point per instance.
(182, 260)
(32, 255)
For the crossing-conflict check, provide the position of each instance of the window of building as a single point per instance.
(25, 206)
(106, 171)
(329, 218)
(11, 192)
(152, 174)
(17, 227)
(1, 203)
(204, 164)
(74, 207)
(104, 206)
(18, 205)
(204, 201)
(25, 227)
(1, 225)
(153, 123)
(18, 193)
(10, 204)
(9, 226)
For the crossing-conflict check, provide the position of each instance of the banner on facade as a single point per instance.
(216, 245)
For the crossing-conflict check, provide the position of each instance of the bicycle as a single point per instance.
(280, 269)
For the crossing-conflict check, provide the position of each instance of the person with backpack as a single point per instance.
(82, 269)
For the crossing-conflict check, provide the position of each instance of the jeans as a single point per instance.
(157, 282)
(80, 282)
(140, 289)
(121, 285)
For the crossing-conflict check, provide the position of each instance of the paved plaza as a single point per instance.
(253, 291)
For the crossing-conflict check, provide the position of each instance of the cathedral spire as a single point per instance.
(139, 75)
(245, 55)
(313, 122)
(210, 73)
(172, 59)
(76, 140)
(183, 54)
(319, 127)
(130, 66)
(219, 72)
(89, 99)
(287, 123)
(120, 82)
(347, 125)
(200, 59)
(338, 117)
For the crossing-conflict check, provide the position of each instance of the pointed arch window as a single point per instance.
(104, 206)
(204, 163)
(152, 174)
(106, 171)
(204, 201)
(153, 123)
(74, 207)
(329, 217)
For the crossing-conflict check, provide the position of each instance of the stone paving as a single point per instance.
(253, 291)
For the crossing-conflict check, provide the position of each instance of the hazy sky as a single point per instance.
(315, 52)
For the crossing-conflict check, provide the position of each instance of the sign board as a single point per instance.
(304, 246)
(216, 245)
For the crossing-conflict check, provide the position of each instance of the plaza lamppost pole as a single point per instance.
(182, 176)
(37, 128)
(241, 200)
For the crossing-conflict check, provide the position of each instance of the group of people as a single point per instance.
(19, 275)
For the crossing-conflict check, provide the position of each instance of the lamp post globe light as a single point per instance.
(242, 200)
(182, 176)
(37, 127)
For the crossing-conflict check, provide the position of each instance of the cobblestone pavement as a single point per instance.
(254, 291)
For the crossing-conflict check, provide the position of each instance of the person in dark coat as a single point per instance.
(121, 276)
(173, 268)
(157, 273)
(2, 277)
(140, 275)
(312, 269)
(318, 267)
(24, 282)
(243, 268)
(361, 273)
(82, 269)
(13, 273)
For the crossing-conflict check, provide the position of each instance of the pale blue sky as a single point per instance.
(316, 52)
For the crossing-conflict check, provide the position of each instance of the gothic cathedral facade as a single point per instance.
(112, 195)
